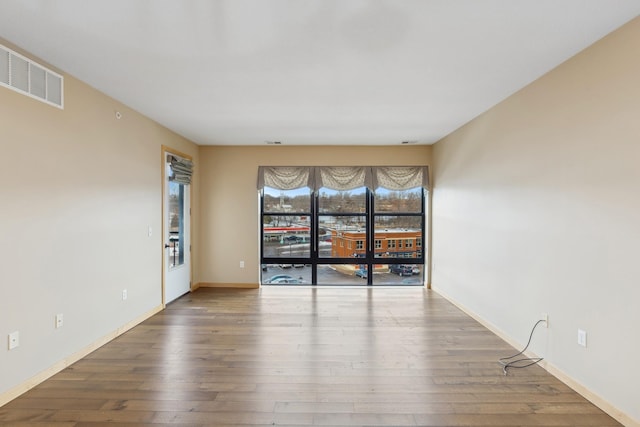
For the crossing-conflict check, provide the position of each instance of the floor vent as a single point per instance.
(30, 78)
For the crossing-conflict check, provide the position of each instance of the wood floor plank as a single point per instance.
(303, 356)
(127, 424)
(39, 424)
(53, 403)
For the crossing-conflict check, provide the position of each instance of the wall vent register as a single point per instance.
(25, 76)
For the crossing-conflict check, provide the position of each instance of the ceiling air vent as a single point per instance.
(30, 78)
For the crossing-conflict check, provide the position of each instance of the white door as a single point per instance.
(177, 244)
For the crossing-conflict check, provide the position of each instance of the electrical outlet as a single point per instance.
(150, 231)
(545, 317)
(14, 340)
(124, 294)
(59, 320)
(582, 338)
(241, 264)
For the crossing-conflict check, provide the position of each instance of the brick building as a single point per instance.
(388, 243)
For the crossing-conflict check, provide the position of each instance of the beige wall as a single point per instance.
(79, 190)
(229, 200)
(536, 209)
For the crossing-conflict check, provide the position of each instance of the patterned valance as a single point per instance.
(343, 178)
(285, 178)
(400, 177)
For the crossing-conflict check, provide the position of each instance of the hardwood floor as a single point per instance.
(303, 356)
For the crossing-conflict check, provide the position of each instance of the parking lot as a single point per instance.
(335, 275)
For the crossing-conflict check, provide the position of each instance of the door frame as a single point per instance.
(163, 165)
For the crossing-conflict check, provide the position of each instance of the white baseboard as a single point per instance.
(592, 397)
(228, 285)
(16, 391)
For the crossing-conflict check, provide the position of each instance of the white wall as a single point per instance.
(78, 191)
(536, 209)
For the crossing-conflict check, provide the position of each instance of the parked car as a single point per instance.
(278, 276)
(401, 269)
(284, 279)
(415, 269)
(292, 281)
(285, 265)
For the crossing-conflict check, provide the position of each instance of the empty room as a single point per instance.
(319, 212)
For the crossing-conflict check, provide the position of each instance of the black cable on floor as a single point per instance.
(506, 362)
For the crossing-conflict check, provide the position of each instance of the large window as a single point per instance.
(342, 225)
(341, 214)
(286, 223)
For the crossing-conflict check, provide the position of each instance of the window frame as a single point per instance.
(371, 244)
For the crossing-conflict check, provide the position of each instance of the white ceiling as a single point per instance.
(309, 72)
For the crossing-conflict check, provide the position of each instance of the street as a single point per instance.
(330, 275)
